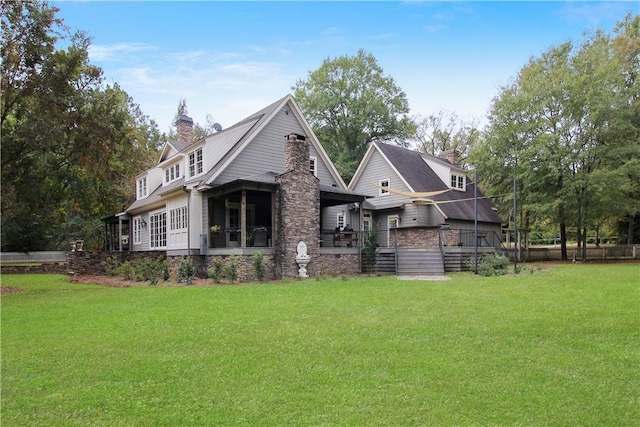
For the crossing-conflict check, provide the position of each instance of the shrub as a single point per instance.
(126, 270)
(110, 265)
(186, 271)
(231, 268)
(490, 265)
(152, 270)
(369, 246)
(215, 272)
(259, 268)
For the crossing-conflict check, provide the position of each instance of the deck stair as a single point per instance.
(420, 262)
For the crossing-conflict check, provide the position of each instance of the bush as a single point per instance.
(491, 265)
(186, 272)
(152, 270)
(111, 265)
(231, 268)
(259, 268)
(215, 272)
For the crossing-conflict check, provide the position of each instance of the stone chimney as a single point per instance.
(296, 153)
(452, 156)
(185, 129)
(297, 209)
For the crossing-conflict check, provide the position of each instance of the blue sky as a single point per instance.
(230, 59)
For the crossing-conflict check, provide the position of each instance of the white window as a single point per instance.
(366, 222)
(313, 165)
(458, 182)
(158, 230)
(178, 218)
(172, 173)
(383, 183)
(142, 187)
(340, 220)
(137, 223)
(195, 163)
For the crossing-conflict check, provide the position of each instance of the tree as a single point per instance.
(562, 129)
(199, 131)
(349, 103)
(446, 131)
(70, 145)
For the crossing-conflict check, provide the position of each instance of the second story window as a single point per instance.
(195, 163)
(457, 182)
(313, 165)
(385, 184)
(142, 187)
(172, 173)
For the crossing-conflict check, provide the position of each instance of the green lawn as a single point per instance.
(558, 347)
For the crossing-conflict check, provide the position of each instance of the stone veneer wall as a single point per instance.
(333, 264)
(297, 209)
(416, 237)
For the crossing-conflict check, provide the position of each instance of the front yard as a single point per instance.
(559, 346)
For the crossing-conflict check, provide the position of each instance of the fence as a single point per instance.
(594, 253)
(35, 257)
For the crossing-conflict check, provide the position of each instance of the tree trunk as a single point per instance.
(583, 257)
(563, 241)
(631, 229)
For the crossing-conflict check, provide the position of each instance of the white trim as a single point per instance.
(137, 230)
(367, 158)
(382, 192)
(194, 153)
(314, 169)
(457, 178)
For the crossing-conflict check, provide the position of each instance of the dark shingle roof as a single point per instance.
(419, 175)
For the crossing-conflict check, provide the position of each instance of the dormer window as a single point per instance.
(172, 173)
(384, 183)
(458, 182)
(195, 163)
(142, 187)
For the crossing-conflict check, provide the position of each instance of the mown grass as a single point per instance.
(556, 347)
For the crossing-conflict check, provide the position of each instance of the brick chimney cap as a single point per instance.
(184, 118)
(296, 136)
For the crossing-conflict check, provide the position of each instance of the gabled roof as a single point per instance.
(171, 148)
(232, 141)
(414, 170)
(224, 146)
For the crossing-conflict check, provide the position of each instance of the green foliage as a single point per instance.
(111, 265)
(567, 128)
(349, 102)
(230, 268)
(146, 269)
(216, 271)
(369, 246)
(259, 267)
(493, 265)
(186, 271)
(71, 144)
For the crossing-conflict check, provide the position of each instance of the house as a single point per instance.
(261, 185)
(420, 201)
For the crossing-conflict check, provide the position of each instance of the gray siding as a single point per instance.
(265, 153)
(376, 169)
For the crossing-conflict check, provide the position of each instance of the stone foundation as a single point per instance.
(415, 237)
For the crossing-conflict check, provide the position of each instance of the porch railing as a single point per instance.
(465, 238)
(257, 237)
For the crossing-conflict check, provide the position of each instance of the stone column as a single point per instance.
(297, 209)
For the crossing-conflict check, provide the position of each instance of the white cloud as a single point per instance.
(593, 14)
(117, 51)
